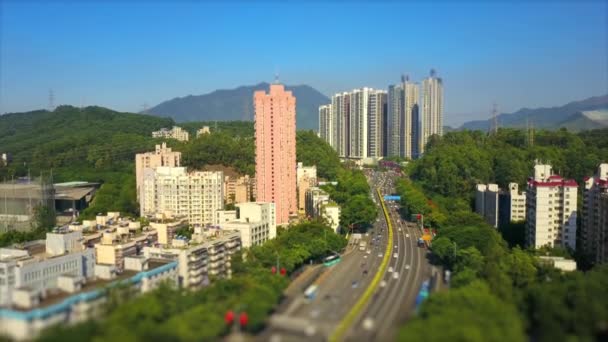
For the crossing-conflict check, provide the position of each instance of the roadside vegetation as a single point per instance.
(500, 291)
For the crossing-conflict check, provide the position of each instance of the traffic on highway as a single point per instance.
(368, 291)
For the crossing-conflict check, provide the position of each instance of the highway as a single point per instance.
(348, 285)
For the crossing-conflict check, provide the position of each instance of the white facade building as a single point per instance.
(38, 264)
(174, 133)
(255, 221)
(162, 156)
(432, 109)
(327, 129)
(551, 210)
(207, 255)
(195, 195)
(512, 205)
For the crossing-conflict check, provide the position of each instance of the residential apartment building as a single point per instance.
(238, 189)
(306, 177)
(275, 146)
(162, 156)
(432, 109)
(512, 205)
(594, 220)
(377, 110)
(403, 118)
(360, 121)
(327, 124)
(500, 207)
(486, 203)
(207, 255)
(176, 133)
(255, 221)
(194, 195)
(340, 106)
(73, 299)
(318, 204)
(551, 209)
(37, 265)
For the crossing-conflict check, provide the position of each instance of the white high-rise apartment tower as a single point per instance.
(403, 123)
(327, 124)
(432, 109)
(376, 122)
(551, 210)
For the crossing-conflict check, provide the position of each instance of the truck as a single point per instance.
(362, 245)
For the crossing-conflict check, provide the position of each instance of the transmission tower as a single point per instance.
(51, 100)
(495, 117)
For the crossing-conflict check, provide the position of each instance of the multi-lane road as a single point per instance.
(369, 293)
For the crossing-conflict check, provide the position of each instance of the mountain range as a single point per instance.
(237, 104)
(575, 116)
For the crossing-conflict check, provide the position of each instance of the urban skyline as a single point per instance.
(371, 123)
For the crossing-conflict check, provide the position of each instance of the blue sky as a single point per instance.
(124, 55)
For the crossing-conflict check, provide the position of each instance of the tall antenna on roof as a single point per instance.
(276, 75)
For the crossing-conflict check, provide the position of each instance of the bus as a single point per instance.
(331, 260)
(311, 292)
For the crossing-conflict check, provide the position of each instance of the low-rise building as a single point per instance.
(37, 265)
(255, 221)
(203, 130)
(314, 198)
(318, 204)
(206, 255)
(330, 212)
(5, 159)
(560, 263)
(76, 299)
(174, 133)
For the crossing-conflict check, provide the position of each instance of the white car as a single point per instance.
(368, 324)
(399, 229)
(380, 255)
(407, 235)
(390, 269)
(369, 251)
(383, 283)
(407, 267)
(395, 275)
(395, 255)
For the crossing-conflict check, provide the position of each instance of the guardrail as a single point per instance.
(350, 317)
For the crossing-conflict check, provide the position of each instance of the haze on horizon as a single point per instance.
(124, 55)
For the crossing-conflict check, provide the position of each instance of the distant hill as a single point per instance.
(237, 104)
(578, 115)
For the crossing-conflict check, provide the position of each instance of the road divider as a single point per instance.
(347, 321)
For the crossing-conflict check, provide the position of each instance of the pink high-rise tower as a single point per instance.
(275, 150)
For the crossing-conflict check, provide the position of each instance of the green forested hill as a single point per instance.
(69, 137)
(98, 144)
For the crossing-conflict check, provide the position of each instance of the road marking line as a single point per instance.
(347, 321)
